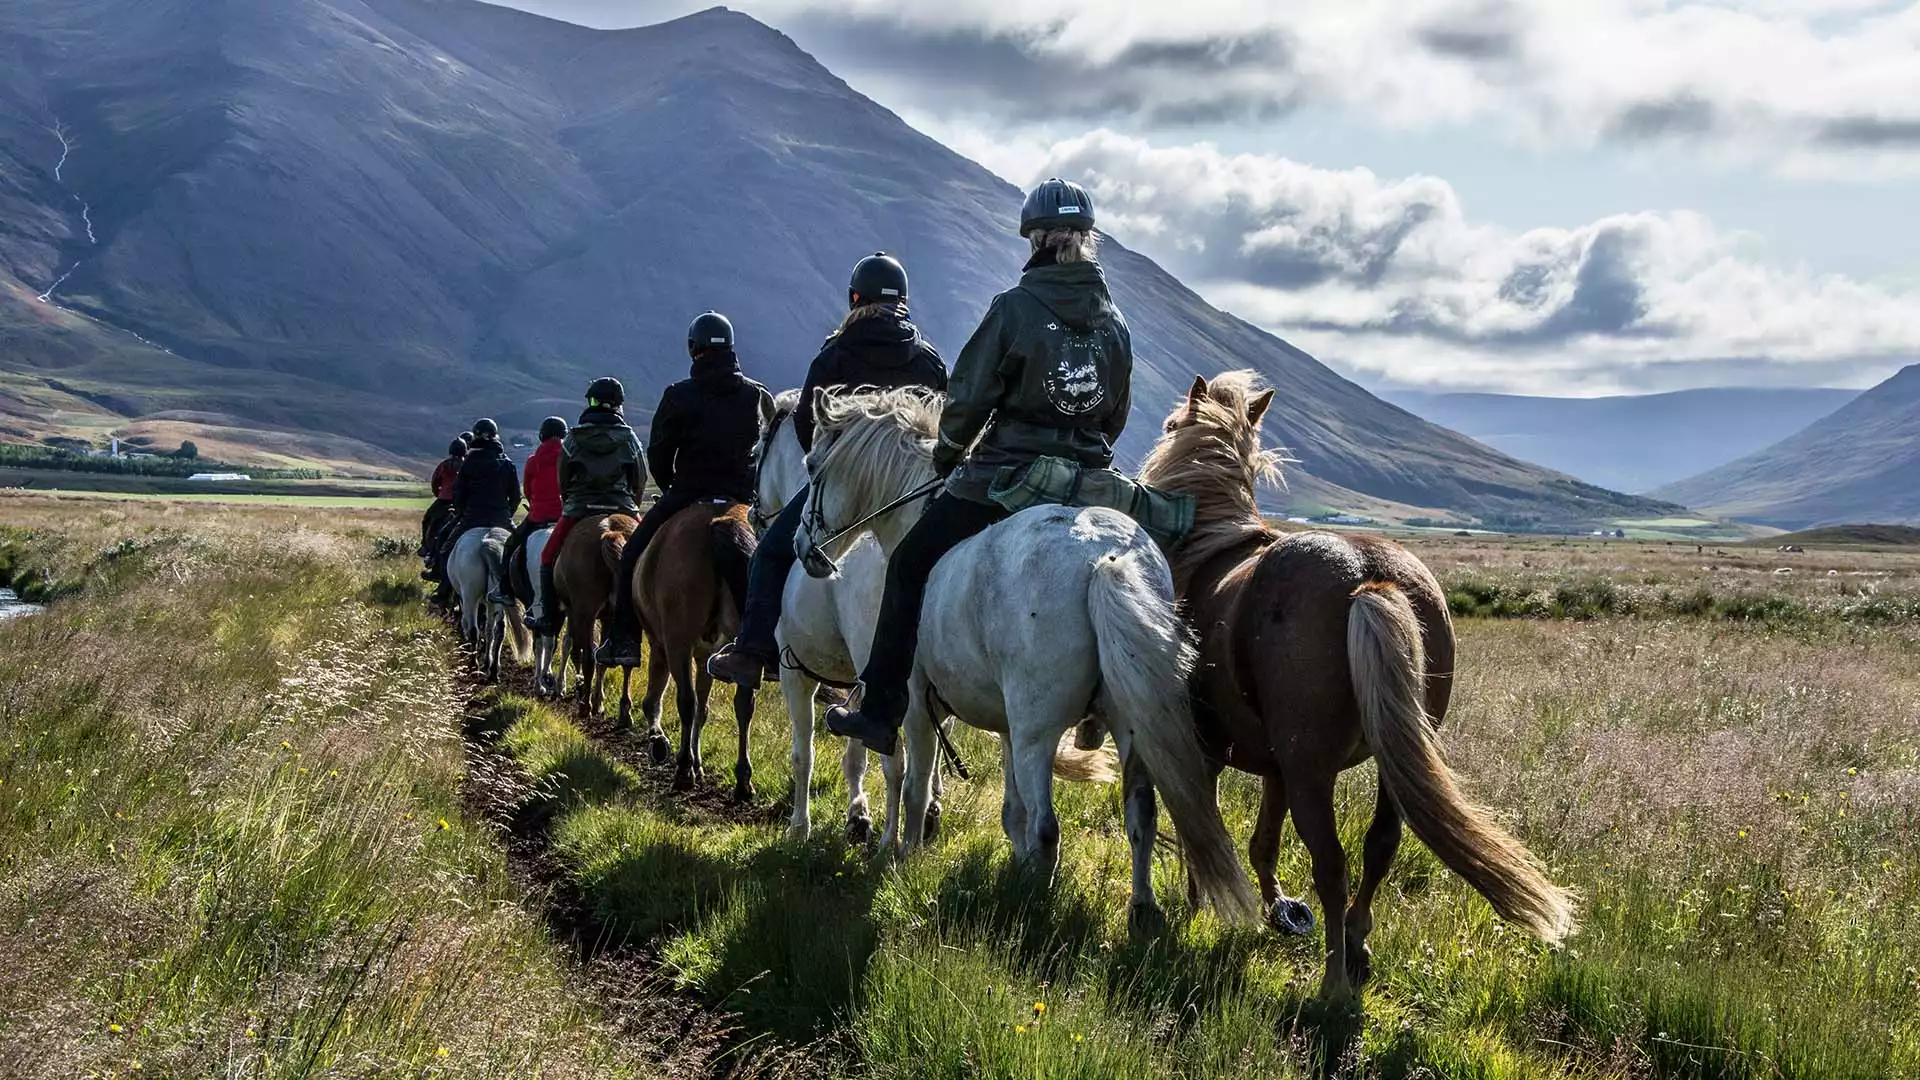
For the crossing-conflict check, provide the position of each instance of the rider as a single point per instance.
(485, 494)
(542, 486)
(702, 447)
(1048, 373)
(876, 347)
(442, 505)
(600, 473)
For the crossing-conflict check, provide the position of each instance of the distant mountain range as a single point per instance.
(1860, 464)
(1635, 443)
(339, 230)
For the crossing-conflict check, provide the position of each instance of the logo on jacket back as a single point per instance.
(1073, 379)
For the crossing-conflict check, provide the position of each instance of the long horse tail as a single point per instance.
(1145, 658)
(1387, 661)
(1099, 765)
(613, 542)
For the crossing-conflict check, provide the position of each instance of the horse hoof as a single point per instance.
(743, 794)
(797, 834)
(1290, 916)
(683, 780)
(931, 828)
(1146, 919)
(659, 749)
(1359, 962)
(860, 831)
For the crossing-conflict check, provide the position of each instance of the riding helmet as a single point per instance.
(877, 279)
(709, 331)
(553, 427)
(606, 393)
(457, 448)
(1057, 204)
(484, 428)
(467, 437)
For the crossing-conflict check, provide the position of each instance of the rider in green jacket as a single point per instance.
(1048, 373)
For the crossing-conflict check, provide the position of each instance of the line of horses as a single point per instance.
(1289, 656)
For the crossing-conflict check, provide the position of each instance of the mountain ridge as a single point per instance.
(370, 216)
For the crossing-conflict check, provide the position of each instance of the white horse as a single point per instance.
(475, 567)
(1028, 628)
(548, 663)
(826, 627)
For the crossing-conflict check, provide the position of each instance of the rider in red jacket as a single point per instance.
(541, 483)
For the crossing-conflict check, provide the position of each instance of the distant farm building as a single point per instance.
(219, 477)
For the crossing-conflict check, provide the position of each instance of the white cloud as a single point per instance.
(1391, 277)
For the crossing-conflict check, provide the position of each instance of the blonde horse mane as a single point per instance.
(1212, 451)
(882, 439)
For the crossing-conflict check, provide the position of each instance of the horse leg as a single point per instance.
(1284, 913)
(680, 665)
(918, 788)
(702, 712)
(1383, 842)
(1143, 826)
(659, 747)
(798, 690)
(1013, 812)
(934, 809)
(1034, 743)
(626, 700)
(853, 769)
(743, 766)
(1310, 797)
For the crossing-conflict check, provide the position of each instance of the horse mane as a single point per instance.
(1213, 454)
(884, 434)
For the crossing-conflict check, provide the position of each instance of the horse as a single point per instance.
(1047, 616)
(1317, 651)
(524, 575)
(476, 571)
(687, 609)
(583, 586)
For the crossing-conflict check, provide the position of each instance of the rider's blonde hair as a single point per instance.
(1069, 245)
(870, 311)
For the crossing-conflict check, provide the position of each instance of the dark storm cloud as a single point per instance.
(1871, 133)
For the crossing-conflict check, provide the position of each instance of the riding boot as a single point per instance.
(622, 647)
(743, 665)
(876, 722)
(546, 612)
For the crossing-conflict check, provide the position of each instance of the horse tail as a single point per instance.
(1145, 658)
(1099, 765)
(613, 542)
(1386, 659)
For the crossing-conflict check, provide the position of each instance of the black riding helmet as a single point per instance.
(457, 448)
(467, 437)
(606, 393)
(1057, 204)
(708, 332)
(553, 427)
(484, 428)
(877, 279)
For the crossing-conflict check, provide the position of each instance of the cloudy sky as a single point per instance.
(1559, 196)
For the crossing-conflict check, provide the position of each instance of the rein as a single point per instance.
(817, 562)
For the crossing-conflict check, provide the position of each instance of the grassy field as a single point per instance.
(329, 493)
(1725, 761)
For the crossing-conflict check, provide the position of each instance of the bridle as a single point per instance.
(817, 562)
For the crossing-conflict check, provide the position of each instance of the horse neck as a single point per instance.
(784, 471)
(882, 472)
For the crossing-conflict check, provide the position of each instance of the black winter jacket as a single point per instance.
(880, 352)
(487, 491)
(706, 433)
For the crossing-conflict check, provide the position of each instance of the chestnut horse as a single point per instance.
(1317, 651)
(687, 609)
(583, 586)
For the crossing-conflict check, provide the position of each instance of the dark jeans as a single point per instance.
(767, 579)
(948, 520)
(430, 523)
(668, 505)
(519, 540)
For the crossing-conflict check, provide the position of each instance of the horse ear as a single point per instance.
(1257, 408)
(1195, 395)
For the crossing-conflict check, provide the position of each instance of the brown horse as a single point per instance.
(1318, 651)
(583, 585)
(686, 590)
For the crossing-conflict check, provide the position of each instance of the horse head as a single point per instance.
(868, 449)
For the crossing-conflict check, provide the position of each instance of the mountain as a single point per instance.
(1629, 443)
(377, 219)
(1860, 464)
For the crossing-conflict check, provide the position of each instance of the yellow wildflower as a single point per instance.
(115, 1028)
(1019, 1029)
(442, 1052)
(444, 826)
(1039, 1007)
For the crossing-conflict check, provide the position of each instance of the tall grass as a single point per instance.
(231, 840)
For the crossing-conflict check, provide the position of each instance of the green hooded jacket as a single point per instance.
(600, 469)
(1048, 373)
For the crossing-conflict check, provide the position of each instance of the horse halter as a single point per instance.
(816, 561)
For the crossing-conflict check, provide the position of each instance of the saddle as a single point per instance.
(1055, 481)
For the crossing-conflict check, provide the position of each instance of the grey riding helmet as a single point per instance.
(1057, 204)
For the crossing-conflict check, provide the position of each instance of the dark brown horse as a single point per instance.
(1317, 651)
(583, 585)
(687, 590)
